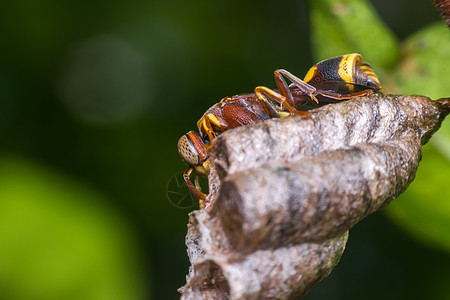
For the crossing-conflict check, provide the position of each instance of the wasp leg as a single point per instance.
(263, 92)
(297, 82)
(201, 201)
(338, 96)
(194, 189)
(206, 123)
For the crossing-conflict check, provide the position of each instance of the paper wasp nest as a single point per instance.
(285, 192)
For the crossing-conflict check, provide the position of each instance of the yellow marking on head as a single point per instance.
(310, 74)
(347, 67)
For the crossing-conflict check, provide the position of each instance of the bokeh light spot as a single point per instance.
(106, 81)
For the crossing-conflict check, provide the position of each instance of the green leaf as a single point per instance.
(425, 65)
(424, 209)
(61, 240)
(347, 26)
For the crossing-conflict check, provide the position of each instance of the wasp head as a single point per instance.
(193, 152)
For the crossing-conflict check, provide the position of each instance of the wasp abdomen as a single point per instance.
(324, 71)
(349, 68)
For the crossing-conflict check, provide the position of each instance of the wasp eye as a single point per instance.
(187, 151)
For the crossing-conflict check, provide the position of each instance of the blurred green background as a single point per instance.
(94, 96)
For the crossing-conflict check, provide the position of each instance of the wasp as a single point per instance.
(230, 112)
(331, 80)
